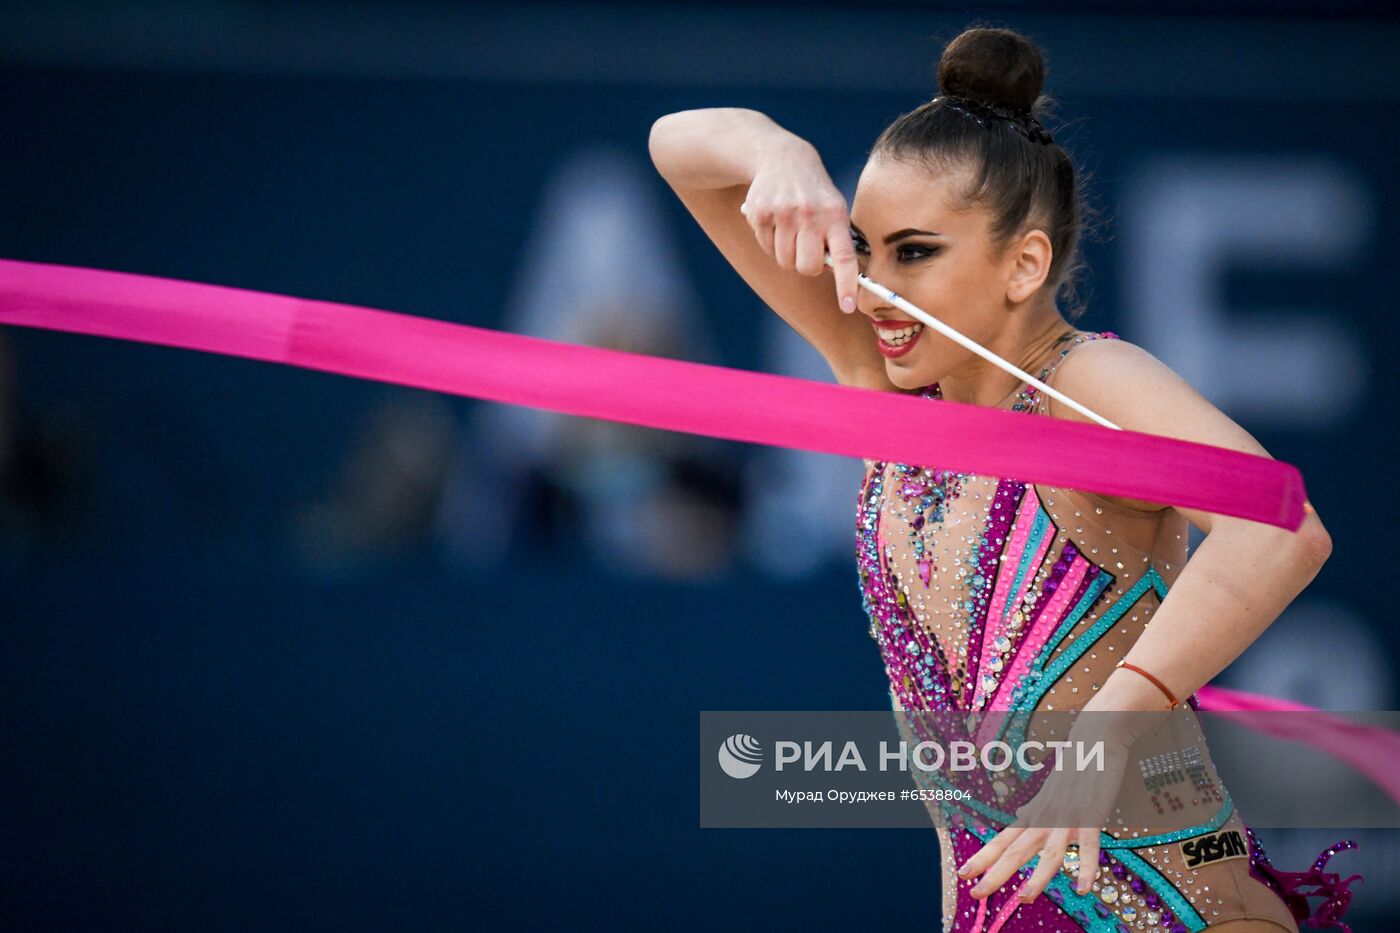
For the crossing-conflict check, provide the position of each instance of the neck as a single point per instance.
(980, 382)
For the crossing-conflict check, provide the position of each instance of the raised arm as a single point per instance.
(715, 159)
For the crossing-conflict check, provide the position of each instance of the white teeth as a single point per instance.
(897, 338)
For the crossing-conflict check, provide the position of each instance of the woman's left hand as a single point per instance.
(1070, 808)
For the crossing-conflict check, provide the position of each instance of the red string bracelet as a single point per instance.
(1161, 686)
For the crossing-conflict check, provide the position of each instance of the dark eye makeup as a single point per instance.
(903, 252)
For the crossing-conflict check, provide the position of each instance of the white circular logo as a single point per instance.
(740, 756)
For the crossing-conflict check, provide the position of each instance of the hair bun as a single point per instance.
(993, 66)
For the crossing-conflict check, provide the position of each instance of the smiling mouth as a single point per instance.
(898, 338)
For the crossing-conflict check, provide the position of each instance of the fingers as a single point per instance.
(983, 858)
(1001, 858)
(844, 265)
(1010, 850)
(1051, 857)
(798, 233)
(811, 251)
(762, 223)
(1009, 861)
(785, 242)
(1088, 859)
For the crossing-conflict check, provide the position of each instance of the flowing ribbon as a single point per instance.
(1372, 750)
(677, 395)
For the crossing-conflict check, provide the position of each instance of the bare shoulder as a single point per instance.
(1110, 368)
(1135, 390)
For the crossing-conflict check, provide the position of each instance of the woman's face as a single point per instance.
(949, 267)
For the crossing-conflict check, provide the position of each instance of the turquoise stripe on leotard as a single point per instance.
(1040, 678)
(1039, 527)
(1105, 622)
(1170, 896)
(1102, 580)
(1073, 901)
(1026, 695)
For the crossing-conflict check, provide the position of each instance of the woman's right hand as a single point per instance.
(798, 215)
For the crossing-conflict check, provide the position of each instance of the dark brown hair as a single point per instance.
(987, 119)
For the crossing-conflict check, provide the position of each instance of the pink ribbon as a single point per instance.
(696, 398)
(1372, 750)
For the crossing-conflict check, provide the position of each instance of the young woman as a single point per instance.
(985, 593)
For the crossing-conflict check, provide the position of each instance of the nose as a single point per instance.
(872, 305)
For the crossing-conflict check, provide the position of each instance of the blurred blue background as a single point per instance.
(284, 650)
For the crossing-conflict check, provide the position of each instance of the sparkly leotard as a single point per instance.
(991, 594)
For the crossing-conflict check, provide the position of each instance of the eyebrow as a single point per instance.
(899, 234)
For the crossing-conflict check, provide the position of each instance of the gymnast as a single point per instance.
(985, 593)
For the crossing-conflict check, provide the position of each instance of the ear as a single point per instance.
(1029, 258)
